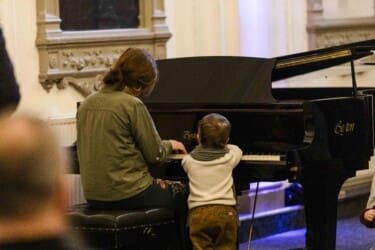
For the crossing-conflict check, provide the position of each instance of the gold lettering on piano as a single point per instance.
(313, 58)
(342, 128)
(189, 136)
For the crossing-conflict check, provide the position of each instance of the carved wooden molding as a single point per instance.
(83, 55)
(84, 86)
(330, 32)
(326, 33)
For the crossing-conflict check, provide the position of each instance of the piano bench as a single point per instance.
(122, 229)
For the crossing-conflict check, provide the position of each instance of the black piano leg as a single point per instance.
(320, 202)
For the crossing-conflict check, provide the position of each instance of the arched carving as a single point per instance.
(84, 86)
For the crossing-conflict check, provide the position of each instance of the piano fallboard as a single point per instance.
(254, 129)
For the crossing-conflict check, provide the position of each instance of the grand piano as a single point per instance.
(318, 137)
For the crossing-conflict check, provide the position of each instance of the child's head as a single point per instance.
(213, 131)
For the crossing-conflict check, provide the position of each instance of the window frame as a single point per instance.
(78, 57)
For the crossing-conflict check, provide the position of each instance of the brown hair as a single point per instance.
(134, 68)
(214, 130)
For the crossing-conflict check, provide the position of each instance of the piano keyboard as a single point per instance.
(246, 157)
(261, 158)
(264, 167)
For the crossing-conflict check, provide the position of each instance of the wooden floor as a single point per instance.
(286, 229)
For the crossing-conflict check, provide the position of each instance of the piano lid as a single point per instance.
(305, 62)
(235, 79)
(209, 79)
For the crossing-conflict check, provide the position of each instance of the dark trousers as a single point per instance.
(213, 227)
(173, 197)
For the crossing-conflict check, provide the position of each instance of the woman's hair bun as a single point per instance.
(112, 77)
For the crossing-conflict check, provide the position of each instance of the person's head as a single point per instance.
(136, 70)
(31, 169)
(213, 131)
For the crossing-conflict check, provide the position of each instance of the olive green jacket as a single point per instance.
(117, 143)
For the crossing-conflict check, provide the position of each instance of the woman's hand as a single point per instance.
(178, 146)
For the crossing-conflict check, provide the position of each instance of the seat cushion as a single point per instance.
(122, 229)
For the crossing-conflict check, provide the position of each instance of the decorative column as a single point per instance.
(314, 14)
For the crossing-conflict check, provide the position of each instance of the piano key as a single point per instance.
(256, 157)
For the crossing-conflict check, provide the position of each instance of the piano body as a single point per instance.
(318, 137)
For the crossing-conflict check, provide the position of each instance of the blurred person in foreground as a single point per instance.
(9, 90)
(33, 190)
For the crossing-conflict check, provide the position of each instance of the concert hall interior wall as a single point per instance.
(264, 28)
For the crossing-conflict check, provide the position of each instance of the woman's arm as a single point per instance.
(154, 149)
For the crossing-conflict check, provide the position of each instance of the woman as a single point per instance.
(117, 142)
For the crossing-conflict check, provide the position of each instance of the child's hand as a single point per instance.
(369, 215)
(164, 184)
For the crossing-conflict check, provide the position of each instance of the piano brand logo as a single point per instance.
(189, 136)
(342, 128)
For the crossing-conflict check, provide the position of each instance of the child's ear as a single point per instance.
(198, 138)
(227, 140)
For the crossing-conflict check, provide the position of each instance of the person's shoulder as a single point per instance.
(234, 147)
(2, 40)
(185, 158)
(90, 98)
(120, 97)
(124, 96)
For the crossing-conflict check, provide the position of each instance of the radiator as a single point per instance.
(65, 130)
(75, 189)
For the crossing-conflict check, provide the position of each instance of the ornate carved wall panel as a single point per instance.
(79, 57)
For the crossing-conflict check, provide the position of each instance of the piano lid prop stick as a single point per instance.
(354, 81)
(253, 217)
